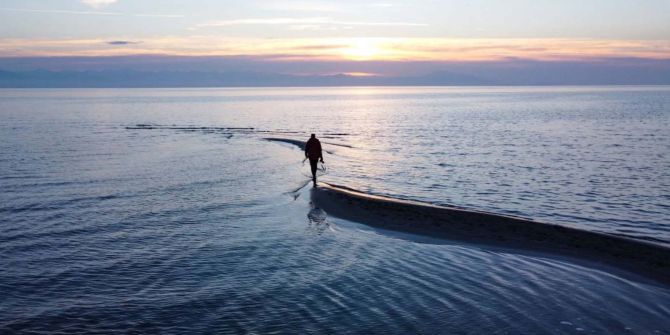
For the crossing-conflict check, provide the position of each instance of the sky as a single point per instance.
(409, 37)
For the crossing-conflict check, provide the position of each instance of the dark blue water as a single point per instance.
(106, 229)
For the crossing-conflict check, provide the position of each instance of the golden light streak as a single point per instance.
(360, 74)
(351, 49)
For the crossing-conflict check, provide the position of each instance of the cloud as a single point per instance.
(302, 6)
(98, 3)
(119, 42)
(382, 5)
(78, 12)
(305, 23)
(378, 49)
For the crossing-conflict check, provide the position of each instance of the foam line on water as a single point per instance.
(649, 259)
(176, 127)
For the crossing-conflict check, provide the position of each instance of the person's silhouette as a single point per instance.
(313, 152)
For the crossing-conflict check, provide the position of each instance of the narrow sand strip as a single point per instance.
(298, 143)
(641, 257)
(645, 258)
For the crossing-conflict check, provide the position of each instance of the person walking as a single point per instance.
(314, 154)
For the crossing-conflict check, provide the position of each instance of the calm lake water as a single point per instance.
(164, 210)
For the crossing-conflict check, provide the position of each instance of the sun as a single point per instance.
(361, 50)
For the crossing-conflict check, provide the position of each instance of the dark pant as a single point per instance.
(313, 163)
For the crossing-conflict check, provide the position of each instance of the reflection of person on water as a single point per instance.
(313, 152)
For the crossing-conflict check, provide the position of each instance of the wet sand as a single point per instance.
(644, 258)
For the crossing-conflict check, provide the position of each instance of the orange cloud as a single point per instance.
(363, 49)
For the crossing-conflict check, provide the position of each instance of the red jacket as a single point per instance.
(313, 149)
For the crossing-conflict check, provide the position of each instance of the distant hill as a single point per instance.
(132, 78)
(64, 72)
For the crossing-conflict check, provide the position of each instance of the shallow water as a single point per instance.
(109, 227)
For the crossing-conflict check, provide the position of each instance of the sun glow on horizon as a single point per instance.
(361, 50)
(342, 49)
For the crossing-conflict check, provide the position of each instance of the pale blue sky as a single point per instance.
(575, 41)
(599, 19)
(352, 30)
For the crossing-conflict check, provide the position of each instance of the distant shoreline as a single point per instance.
(342, 86)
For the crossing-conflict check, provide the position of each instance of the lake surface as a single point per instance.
(165, 210)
